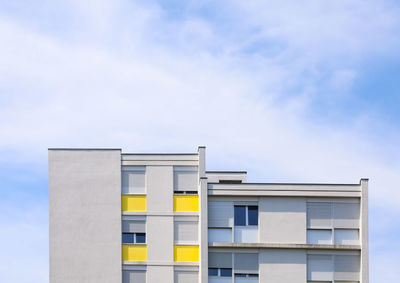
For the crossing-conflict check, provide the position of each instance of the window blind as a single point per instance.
(185, 179)
(134, 276)
(219, 260)
(220, 214)
(246, 263)
(319, 214)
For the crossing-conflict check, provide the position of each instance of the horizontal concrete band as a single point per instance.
(285, 187)
(160, 263)
(241, 193)
(283, 246)
(160, 157)
(160, 213)
(160, 163)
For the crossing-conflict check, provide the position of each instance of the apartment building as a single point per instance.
(136, 218)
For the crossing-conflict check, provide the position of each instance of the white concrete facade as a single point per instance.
(246, 232)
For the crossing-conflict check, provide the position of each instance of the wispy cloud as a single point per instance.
(264, 85)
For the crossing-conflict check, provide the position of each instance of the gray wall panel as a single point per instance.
(85, 216)
(283, 266)
(282, 220)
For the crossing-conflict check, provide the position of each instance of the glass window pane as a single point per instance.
(219, 235)
(240, 275)
(240, 215)
(319, 237)
(140, 238)
(127, 238)
(213, 272)
(253, 275)
(246, 234)
(346, 237)
(226, 272)
(253, 215)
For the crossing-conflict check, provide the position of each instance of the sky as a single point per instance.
(291, 91)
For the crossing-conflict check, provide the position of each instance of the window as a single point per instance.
(246, 223)
(221, 272)
(133, 230)
(333, 223)
(219, 234)
(213, 272)
(242, 266)
(133, 180)
(186, 180)
(346, 237)
(186, 230)
(246, 215)
(133, 238)
(133, 276)
(319, 237)
(186, 276)
(333, 268)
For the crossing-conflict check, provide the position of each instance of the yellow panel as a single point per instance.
(134, 252)
(186, 203)
(133, 202)
(186, 253)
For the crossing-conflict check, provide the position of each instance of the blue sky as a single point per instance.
(291, 91)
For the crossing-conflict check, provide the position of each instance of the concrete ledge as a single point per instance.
(160, 213)
(283, 246)
(294, 193)
(160, 263)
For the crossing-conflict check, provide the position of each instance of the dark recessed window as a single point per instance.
(240, 215)
(246, 215)
(240, 275)
(226, 272)
(140, 238)
(133, 238)
(127, 238)
(213, 272)
(253, 215)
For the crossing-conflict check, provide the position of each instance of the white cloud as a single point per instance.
(131, 78)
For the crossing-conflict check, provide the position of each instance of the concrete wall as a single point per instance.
(283, 220)
(283, 266)
(157, 274)
(85, 216)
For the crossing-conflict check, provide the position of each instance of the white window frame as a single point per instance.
(134, 169)
(331, 227)
(246, 214)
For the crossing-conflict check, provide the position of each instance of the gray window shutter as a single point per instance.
(133, 276)
(185, 231)
(133, 180)
(219, 260)
(133, 226)
(246, 263)
(319, 214)
(346, 215)
(319, 267)
(347, 267)
(186, 179)
(186, 277)
(220, 214)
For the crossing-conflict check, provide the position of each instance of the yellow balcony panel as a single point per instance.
(133, 202)
(186, 253)
(186, 203)
(134, 252)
